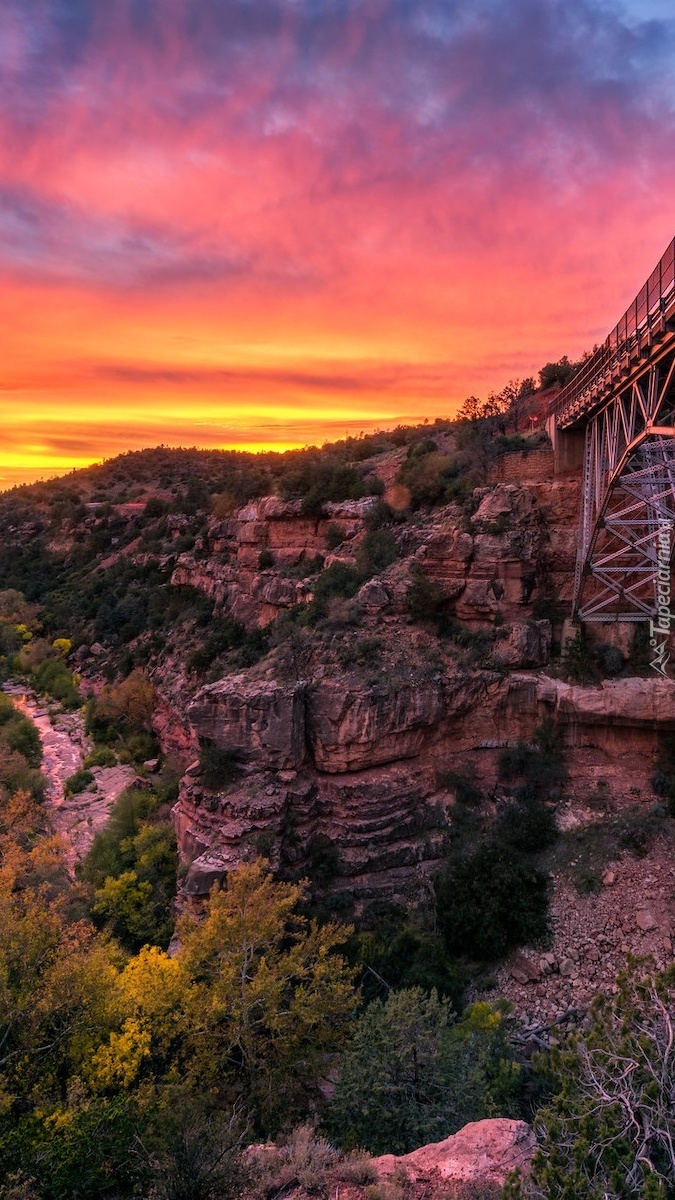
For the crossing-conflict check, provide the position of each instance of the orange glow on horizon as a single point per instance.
(261, 230)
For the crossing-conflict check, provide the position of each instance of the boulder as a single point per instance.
(373, 595)
(506, 505)
(479, 600)
(482, 1150)
(203, 873)
(444, 558)
(525, 644)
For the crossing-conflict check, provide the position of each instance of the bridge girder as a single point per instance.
(628, 497)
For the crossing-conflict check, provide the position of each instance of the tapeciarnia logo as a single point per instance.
(660, 625)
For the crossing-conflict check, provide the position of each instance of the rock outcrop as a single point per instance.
(351, 728)
(484, 1151)
(260, 721)
(354, 754)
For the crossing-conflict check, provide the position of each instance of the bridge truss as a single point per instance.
(625, 401)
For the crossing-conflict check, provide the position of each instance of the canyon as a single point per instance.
(355, 737)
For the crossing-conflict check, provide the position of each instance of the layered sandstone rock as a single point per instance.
(352, 727)
(355, 757)
(634, 703)
(260, 721)
(524, 644)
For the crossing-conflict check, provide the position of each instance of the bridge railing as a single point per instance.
(639, 318)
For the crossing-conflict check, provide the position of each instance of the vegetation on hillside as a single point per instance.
(140, 1048)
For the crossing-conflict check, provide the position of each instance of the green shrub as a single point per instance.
(7, 709)
(265, 560)
(527, 824)
(427, 474)
(541, 765)
(334, 536)
(22, 735)
(155, 507)
(423, 599)
(491, 900)
(637, 830)
(577, 662)
(317, 479)
(640, 651)
(338, 580)
(218, 766)
(102, 756)
(17, 776)
(142, 746)
(395, 955)
(323, 859)
(364, 652)
(53, 678)
(376, 552)
(357, 1168)
(229, 637)
(79, 782)
(414, 1075)
(111, 852)
(610, 660)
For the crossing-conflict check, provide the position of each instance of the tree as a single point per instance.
(512, 400)
(414, 1075)
(271, 997)
(253, 1004)
(128, 706)
(22, 735)
(557, 374)
(609, 1131)
(490, 900)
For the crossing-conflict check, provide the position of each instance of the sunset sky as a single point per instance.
(271, 222)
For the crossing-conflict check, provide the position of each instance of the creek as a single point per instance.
(65, 745)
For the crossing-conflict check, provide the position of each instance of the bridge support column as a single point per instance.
(568, 448)
(570, 630)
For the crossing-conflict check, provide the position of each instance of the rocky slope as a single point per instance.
(351, 726)
(354, 753)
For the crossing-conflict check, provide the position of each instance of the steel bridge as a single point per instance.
(616, 419)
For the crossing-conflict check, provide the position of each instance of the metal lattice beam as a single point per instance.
(628, 497)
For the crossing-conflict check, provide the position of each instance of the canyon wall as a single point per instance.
(359, 758)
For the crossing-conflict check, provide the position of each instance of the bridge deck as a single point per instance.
(645, 325)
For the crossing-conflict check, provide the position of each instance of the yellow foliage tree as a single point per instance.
(270, 999)
(129, 703)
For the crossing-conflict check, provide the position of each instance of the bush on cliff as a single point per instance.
(218, 766)
(338, 580)
(52, 678)
(21, 735)
(377, 551)
(426, 474)
(423, 599)
(317, 478)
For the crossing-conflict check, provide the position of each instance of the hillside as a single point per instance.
(347, 662)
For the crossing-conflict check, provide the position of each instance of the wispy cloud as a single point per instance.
(468, 189)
